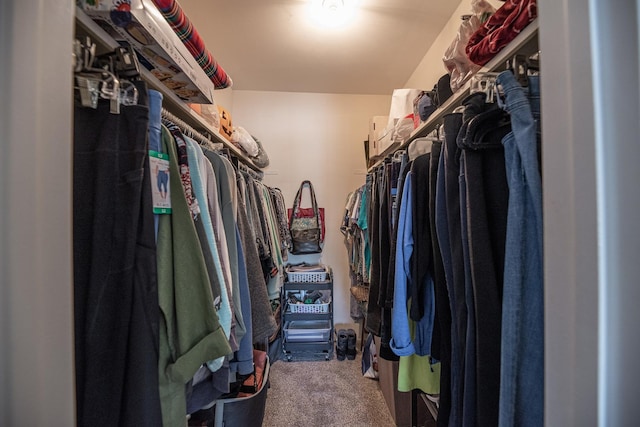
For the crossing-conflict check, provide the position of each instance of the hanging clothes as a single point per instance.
(227, 194)
(374, 312)
(264, 324)
(466, 260)
(441, 339)
(282, 221)
(359, 253)
(242, 362)
(223, 307)
(363, 224)
(485, 194)
(401, 342)
(398, 174)
(190, 333)
(115, 285)
(411, 340)
(522, 359)
(447, 211)
(422, 265)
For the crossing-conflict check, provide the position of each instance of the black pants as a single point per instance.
(454, 267)
(441, 342)
(487, 202)
(374, 311)
(487, 196)
(422, 257)
(115, 286)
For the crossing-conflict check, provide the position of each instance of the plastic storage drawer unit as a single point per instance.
(307, 330)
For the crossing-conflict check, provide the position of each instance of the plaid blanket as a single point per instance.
(183, 27)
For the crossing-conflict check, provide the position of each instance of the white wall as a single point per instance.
(431, 67)
(224, 97)
(318, 137)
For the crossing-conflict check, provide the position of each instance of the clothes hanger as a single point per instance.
(397, 156)
(97, 83)
(485, 83)
(519, 66)
(434, 135)
(89, 82)
(107, 76)
(123, 63)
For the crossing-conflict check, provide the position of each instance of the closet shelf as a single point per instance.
(525, 43)
(170, 101)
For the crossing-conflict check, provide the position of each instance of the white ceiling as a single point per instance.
(271, 46)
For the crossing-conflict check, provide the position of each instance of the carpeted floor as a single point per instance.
(324, 393)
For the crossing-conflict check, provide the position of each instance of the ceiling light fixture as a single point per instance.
(332, 13)
(333, 6)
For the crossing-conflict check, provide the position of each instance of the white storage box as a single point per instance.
(376, 129)
(159, 48)
(386, 138)
(307, 330)
(307, 276)
(310, 308)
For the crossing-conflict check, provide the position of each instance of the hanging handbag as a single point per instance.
(306, 225)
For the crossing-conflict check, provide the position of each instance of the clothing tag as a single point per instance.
(159, 163)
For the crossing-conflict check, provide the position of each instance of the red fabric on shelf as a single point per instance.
(503, 26)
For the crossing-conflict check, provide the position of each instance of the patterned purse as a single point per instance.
(305, 224)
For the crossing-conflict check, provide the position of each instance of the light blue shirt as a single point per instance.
(401, 343)
(224, 312)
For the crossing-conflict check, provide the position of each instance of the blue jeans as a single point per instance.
(469, 410)
(522, 358)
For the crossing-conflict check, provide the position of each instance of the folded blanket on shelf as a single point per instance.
(503, 26)
(304, 267)
(184, 28)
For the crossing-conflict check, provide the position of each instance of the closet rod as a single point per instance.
(203, 139)
(257, 175)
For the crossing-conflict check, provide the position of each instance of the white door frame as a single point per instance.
(590, 294)
(36, 314)
(616, 64)
(591, 158)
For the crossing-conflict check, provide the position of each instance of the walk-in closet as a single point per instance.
(319, 213)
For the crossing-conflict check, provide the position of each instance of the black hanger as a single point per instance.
(522, 66)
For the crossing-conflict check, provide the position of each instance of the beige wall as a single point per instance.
(224, 97)
(320, 137)
(431, 67)
(317, 137)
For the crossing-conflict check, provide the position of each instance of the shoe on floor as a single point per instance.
(342, 344)
(351, 344)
